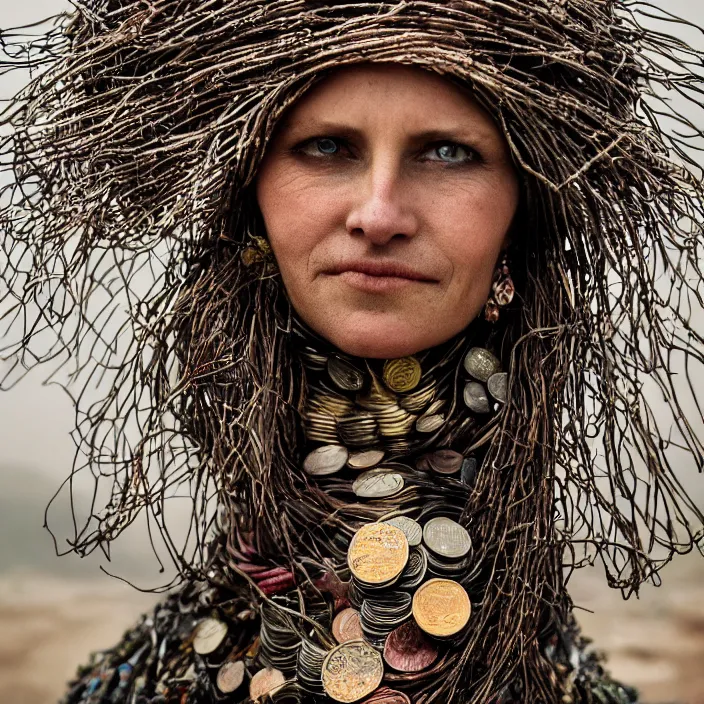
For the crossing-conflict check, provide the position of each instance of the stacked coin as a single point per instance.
(331, 402)
(310, 667)
(320, 427)
(377, 398)
(358, 430)
(313, 359)
(449, 547)
(394, 421)
(416, 569)
(323, 410)
(279, 641)
(383, 613)
(419, 399)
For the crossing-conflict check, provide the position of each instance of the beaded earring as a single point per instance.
(502, 290)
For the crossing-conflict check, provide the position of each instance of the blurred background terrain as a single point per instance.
(53, 611)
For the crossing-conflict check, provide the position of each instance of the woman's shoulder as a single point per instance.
(173, 654)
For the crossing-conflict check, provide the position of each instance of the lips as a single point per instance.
(381, 269)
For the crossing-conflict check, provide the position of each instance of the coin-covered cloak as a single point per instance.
(134, 262)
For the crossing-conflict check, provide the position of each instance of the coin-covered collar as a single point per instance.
(397, 407)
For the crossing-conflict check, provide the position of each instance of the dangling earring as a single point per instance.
(502, 290)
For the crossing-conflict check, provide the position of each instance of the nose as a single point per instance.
(382, 210)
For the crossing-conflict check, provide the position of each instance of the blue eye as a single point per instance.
(453, 153)
(327, 146)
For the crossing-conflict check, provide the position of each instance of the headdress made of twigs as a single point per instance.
(133, 151)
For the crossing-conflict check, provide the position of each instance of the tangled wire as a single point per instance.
(133, 152)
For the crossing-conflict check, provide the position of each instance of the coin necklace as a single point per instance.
(380, 432)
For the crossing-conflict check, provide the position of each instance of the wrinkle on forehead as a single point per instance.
(421, 101)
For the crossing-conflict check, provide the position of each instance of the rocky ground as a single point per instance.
(49, 624)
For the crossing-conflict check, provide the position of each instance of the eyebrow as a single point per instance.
(453, 133)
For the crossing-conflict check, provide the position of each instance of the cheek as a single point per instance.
(473, 226)
(298, 211)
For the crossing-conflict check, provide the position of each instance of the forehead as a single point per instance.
(409, 95)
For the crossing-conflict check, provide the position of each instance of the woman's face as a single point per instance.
(387, 193)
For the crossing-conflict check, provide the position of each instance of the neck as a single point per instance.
(400, 407)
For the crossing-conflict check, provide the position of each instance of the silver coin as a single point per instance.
(475, 397)
(325, 460)
(429, 424)
(497, 386)
(279, 641)
(381, 614)
(377, 484)
(451, 569)
(411, 529)
(344, 375)
(481, 364)
(365, 459)
(446, 538)
(208, 636)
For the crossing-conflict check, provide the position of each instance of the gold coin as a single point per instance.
(378, 553)
(351, 671)
(402, 374)
(441, 607)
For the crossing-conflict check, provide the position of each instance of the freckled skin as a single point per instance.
(370, 184)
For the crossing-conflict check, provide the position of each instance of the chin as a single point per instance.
(376, 337)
